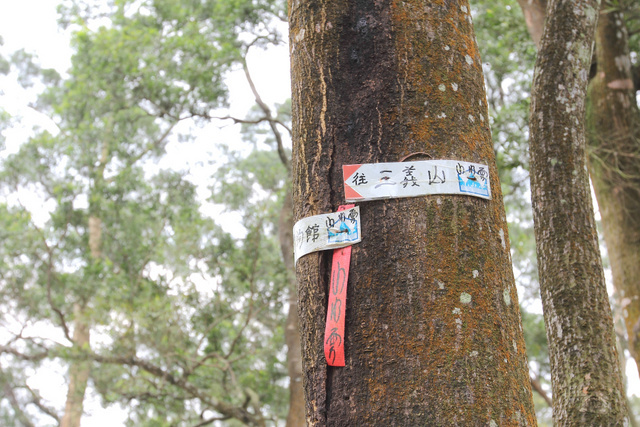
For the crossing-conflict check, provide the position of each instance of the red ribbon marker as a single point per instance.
(334, 330)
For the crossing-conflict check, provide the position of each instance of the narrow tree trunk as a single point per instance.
(433, 330)
(78, 372)
(614, 160)
(585, 371)
(613, 124)
(295, 417)
(79, 369)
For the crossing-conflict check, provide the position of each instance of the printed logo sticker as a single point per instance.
(327, 231)
(473, 180)
(345, 229)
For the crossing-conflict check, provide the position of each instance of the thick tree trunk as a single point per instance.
(585, 371)
(613, 125)
(433, 331)
(295, 417)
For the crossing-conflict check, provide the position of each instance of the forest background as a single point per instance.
(142, 204)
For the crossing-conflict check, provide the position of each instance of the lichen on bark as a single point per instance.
(430, 338)
(585, 371)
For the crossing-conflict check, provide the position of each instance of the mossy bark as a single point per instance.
(433, 330)
(585, 371)
(614, 156)
(613, 137)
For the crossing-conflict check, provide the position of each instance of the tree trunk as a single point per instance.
(585, 371)
(433, 330)
(78, 372)
(295, 417)
(613, 120)
(534, 12)
(612, 136)
(79, 369)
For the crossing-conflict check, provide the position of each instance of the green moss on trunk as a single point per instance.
(430, 337)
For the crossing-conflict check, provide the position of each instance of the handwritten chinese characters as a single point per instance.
(327, 231)
(334, 329)
(410, 179)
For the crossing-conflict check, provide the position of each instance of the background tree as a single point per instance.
(423, 338)
(613, 135)
(613, 143)
(585, 370)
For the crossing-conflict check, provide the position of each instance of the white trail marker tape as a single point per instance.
(373, 181)
(326, 231)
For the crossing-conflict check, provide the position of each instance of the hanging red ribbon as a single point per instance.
(336, 309)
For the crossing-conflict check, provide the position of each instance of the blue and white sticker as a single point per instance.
(327, 231)
(473, 179)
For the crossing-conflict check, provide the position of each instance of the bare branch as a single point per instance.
(13, 400)
(211, 421)
(37, 401)
(535, 384)
(22, 356)
(155, 143)
(272, 122)
(56, 310)
(251, 122)
(49, 250)
(223, 408)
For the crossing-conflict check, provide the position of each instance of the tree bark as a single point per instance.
(78, 372)
(534, 12)
(613, 135)
(585, 372)
(433, 330)
(295, 418)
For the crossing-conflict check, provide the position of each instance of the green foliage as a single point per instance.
(188, 317)
(5, 120)
(5, 65)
